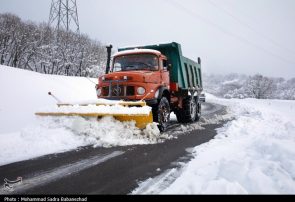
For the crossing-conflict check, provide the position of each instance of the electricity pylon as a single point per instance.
(64, 15)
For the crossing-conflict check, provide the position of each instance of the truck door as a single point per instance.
(165, 74)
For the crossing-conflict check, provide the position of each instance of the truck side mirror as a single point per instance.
(169, 68)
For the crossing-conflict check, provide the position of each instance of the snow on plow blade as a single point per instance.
(122, 111)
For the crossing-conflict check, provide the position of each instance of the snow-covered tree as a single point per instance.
(38, 48)
(259, 87)
(242, 86)
(286, 90)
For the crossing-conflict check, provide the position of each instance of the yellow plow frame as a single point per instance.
(141, 120)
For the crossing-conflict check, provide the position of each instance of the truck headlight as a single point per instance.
(140, 91)
(98, 92)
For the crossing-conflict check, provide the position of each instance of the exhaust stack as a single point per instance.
(109, 52)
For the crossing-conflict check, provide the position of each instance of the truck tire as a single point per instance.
(161, 114)
(189, 112)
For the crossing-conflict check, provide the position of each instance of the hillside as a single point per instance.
(26, 136)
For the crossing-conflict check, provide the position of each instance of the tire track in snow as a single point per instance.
(58, 173)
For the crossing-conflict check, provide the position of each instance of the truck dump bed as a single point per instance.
(186, 72)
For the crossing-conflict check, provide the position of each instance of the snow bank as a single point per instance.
(54, 135)
(24, 92)
(253, 154)
(24, 136)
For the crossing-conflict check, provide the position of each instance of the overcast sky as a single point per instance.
(239, 36)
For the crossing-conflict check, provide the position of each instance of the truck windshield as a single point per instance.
(136, 62)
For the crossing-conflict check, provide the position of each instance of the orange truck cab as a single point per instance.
(160, 76)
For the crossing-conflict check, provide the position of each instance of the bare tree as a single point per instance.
(35, 47)
(259, 87)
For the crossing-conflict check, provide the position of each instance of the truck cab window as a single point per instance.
(117, 67)
(134, 62)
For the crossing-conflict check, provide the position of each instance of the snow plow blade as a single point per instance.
(122, 111)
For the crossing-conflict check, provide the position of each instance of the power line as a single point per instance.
(242, 39)
(275, 43)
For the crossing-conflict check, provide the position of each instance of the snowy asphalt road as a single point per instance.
(116, 170)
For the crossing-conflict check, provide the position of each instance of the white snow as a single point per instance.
(252, 154)
(53, 135)
(24, 135)
(24, 92)
(230, 82)
(108, 110)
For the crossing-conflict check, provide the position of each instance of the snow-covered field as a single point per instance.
(252, 154)
(24, 136)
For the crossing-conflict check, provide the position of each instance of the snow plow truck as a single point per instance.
(157, 77)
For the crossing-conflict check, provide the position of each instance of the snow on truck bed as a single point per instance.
(24, 135)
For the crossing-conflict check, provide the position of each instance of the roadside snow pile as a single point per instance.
(102, 109)
(253, 154)
(53, 135)
(110, 132)
(24, 136)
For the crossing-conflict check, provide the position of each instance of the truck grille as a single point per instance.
(130, 91)
(118, 91)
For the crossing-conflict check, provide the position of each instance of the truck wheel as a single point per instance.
(189, 112)
(161, 114)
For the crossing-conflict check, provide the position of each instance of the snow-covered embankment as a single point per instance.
(24, 136)
(252, 154)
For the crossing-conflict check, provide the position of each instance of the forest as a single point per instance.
(40, 48)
